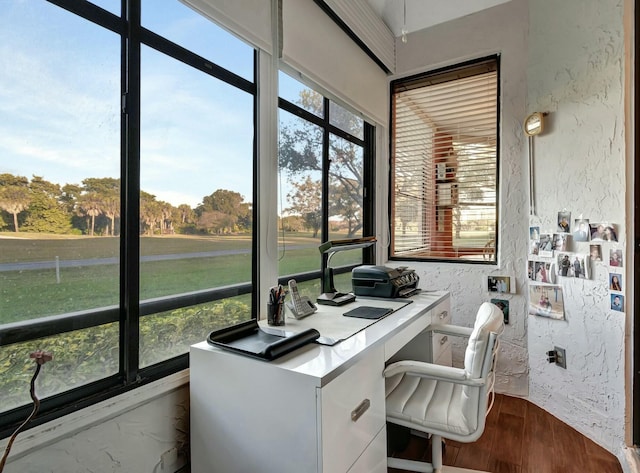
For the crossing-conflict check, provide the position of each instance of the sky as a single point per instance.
(60, 101)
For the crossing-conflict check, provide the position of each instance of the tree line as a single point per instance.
(93, 208)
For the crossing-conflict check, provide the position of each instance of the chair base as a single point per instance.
(423, 467)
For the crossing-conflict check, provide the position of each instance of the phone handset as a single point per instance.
(300, 306)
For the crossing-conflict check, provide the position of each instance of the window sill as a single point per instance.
(63, 427)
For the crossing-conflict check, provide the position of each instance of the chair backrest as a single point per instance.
(488, 319)
(479, 361)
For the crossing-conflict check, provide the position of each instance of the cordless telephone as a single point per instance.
(300, 306)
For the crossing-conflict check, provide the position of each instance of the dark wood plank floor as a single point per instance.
(520, 437)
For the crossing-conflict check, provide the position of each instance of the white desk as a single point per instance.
(294, 414)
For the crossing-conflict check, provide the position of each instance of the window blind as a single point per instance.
(445, 164)
(250, 19)
(317, 48)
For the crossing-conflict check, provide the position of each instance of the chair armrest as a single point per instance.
(454, 330)
(432, 371)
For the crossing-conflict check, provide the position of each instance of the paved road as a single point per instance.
(76, 263)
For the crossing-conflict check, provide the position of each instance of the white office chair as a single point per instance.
(444, 401)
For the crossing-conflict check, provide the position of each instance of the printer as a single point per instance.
(381, 281)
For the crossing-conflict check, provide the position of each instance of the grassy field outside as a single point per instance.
(32, 293)
(87, 355)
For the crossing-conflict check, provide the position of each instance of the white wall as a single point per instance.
(128, 433)
(566, 58)
(503, 30)
(576, 72)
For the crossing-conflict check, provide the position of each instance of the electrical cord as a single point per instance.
(40, 358)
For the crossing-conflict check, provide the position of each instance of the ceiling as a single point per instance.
(421, 14)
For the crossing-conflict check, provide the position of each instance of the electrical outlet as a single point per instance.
(561, 357)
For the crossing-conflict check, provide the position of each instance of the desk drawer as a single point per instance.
(442, 349)
(374, 458)
(352, 412)
(442, 313)
(442, 343)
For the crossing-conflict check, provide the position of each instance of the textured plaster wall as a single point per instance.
(566, 58)
(576, 72)
(503, 30)
(130, 441)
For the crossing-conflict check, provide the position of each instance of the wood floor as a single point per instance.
(520, 437)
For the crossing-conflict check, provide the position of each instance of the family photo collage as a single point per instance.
(571, 251)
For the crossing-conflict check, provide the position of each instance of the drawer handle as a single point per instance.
(443, 314)
(361, 409)
(444, 340)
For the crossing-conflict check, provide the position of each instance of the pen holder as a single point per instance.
(275, 313)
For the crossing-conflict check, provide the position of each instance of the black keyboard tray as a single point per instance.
(248, 339)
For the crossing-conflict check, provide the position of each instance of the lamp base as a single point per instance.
(335, 298)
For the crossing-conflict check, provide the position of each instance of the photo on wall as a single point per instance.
(540, 271)
(564, 221)
(560, 242)
(615, 258)
(503, 305)
(617, 302)
(595, 252)
(545, 248)
(581, 230)
(534, 233)
(500, 284)
(573, 265)
(531, 270)
(615, 282)
(546, 301)
(534, 247)
(603, 232)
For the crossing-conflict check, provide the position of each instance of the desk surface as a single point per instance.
(322, 363)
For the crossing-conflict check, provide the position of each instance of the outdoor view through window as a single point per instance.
(321, 179)
(62, 167)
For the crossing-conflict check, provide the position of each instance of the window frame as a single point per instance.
(492, 256)
(130, 309)
(368, 161)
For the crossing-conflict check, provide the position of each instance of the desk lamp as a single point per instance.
(330, 296)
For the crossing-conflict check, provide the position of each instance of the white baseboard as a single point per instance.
(453, 469)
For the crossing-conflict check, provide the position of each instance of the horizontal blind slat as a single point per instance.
(444, 161)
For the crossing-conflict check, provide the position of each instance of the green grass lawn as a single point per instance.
(34, 293)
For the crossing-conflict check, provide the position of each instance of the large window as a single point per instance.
(325, 184)
(125, 235)
(444, 160)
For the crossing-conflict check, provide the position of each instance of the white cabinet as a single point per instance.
(241, 405)
(249, 415)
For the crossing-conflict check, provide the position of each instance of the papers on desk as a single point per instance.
(331, 322)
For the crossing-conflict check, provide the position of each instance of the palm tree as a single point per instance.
(14, 199)
(91, 206)
(111, 209)
(107, 195)
(150, 211)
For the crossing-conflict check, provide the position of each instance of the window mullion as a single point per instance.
(326, 164)
(130, 233)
